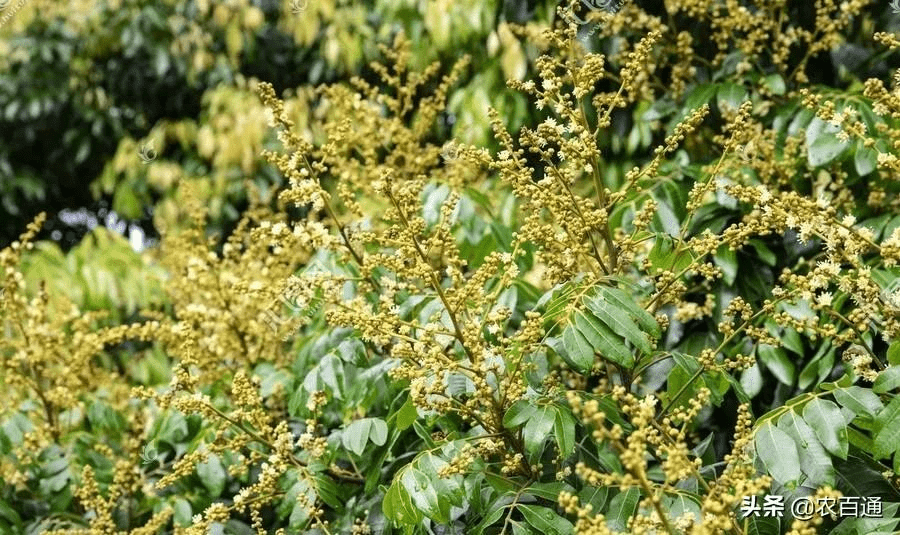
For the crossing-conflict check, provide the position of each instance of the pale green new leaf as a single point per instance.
(424, 496)
(861, 400)
(814, 459)
(778, 453)
(356, 435)
(888, 380)
(829, 425)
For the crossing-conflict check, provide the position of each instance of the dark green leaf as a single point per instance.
(546, 520)
(776, 360)
(622, 508)
(619, 323)
(627, 303)
(564, 430)
(603, 339)
(578, 352)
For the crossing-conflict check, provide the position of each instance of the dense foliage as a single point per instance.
(675, 287)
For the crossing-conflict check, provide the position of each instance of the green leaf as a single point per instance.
(556, 300)
(726, 259)
(398, 506)
(182, 512)
(495, 511)
(865, 160)
(627, 303)
(827, 421)
(622, 508)
(10, 514)
(730, 95)
(775, 84)
(814, 459)
(776, 360)
(884, 524)
(676, 506)
(778, 453)
(545, 520)
(406, 415)
(763, 252)
(763, 525)
(619, 323)
(564, 430)
(549, 491)
(424, 495)
(823, 145)
(379, 431)
(887, 430)
(213, 475)
(520, 412)
(699, 96)
(327, 491)
(664, 255)
(538, 428)
(603, 339)
(578, 352)
(752, 380)
(887, 380)
(893, 353)
(860, 400)
(356, 435)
